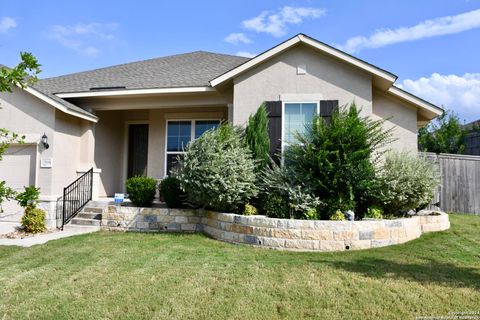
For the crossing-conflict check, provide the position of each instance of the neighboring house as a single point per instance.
(472, 140)
(135, 118)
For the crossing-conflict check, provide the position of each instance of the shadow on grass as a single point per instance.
(430, 272)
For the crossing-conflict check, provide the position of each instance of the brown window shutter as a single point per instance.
(274, 110)
(326, 109)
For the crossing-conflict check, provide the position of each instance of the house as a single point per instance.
(135, 118)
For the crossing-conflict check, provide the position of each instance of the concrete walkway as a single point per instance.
(68, 231)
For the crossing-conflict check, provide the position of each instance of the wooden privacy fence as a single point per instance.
(460, 185)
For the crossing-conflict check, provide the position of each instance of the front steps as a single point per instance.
(91, 215)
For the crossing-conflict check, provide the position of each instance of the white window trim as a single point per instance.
(283, 120)
(193, 125)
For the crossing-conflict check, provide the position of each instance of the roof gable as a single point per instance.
(384, 78)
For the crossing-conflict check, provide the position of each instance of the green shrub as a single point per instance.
(249, 210)
(275, 206)
(336, 162)
(374, 213)
(171, 192)
(256, 137)
(141, 190)
(275, 181)
(406, 182)
(310, 214)
(338, 216)
(29, 197)
(217, 170)
(33, 220)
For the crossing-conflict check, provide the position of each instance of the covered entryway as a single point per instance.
(17, 168)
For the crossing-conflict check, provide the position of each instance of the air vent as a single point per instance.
(107, 88)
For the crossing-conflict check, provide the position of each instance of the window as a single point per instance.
(180, 133)
(296, 116)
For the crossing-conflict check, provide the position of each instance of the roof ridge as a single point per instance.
(139, 61)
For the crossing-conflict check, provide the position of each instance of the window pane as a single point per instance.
(172, 160)
(178, 135)
(297, 117)
(203, 125)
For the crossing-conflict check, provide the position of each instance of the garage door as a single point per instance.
(17, 168)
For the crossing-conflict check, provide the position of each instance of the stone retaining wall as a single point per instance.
(276, 233)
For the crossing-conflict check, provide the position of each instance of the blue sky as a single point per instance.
(432, 45)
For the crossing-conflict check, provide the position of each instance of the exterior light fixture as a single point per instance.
(45, 141)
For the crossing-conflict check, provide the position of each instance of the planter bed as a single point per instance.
(286, 234)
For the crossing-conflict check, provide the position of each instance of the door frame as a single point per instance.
(125, 148)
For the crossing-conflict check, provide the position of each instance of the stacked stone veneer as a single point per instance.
(276, 233)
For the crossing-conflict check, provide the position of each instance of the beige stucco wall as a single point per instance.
(401, 117)
(326, 77)
(111, 140)
(26, 115)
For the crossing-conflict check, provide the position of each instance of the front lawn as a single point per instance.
(145, 276)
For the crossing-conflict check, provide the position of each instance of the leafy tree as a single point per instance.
(337, 162)
(256, 136)
(22, 75)
(444, 135)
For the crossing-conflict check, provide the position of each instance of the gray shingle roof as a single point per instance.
(182, 70)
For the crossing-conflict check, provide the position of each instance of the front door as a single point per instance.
(137, 150)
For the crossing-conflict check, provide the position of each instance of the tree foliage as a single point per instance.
(337, 162)
(22, 75)
(256, 136)
(443, 135)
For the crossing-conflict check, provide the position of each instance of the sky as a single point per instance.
(433, 46)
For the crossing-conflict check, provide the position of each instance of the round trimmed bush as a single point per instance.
(171, 192)
(33, 220)
(141, 190)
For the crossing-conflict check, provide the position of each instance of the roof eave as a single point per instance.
(59, 106)
(430, 110)
(134, 92)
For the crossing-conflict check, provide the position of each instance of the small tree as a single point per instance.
(22, 75)
(256, 136)
(444, 135)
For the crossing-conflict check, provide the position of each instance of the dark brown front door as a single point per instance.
(137, 150)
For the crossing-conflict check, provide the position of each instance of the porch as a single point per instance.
(146, 142)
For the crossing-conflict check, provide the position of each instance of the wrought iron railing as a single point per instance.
(76, 196)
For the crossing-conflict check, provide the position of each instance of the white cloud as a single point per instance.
(245, 54)
(425, 29)
(458, 93)
(86, 39)
(276, 23)
(237, 38)
(7, 23)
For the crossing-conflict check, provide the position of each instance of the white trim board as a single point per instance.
(126, 92)
(59, 106)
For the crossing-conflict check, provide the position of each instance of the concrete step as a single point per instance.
(93, 209)
(89, 215)
(85, 222)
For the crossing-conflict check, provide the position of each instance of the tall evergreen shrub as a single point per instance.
(256, 136)
(337, 161)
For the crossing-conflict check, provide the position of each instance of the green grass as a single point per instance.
(134, 276)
